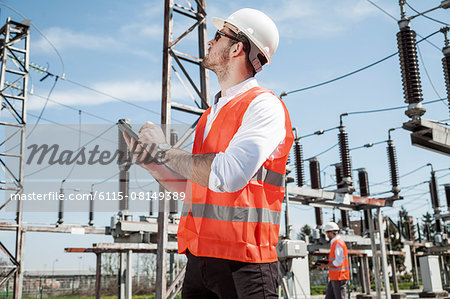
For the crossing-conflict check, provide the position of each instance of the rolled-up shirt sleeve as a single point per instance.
(261, 131)
(339, 256)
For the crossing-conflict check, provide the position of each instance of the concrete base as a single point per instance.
(414, 287)
(442, 294)
(398, 296)
(365, 296)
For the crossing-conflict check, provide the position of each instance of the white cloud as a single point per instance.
(143, 31)
(63, 38)
(318, 19)
(132, 91)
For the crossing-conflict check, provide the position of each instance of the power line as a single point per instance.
(383, 10)
(68, 127)
(105, 180)
(87, 143)
(73, 108)
(425, 16)
(321, 153)
(338, 78)
(403, 175)
(43, 108)
(396, 20)
(429, 77)
(391, 108)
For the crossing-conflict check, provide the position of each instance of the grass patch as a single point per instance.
(317, 290)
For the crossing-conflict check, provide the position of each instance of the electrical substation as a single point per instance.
(373, 258)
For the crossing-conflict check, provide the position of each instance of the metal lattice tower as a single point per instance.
(170, 53)
(14, 51)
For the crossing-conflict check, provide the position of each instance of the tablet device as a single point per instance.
(322, 262)
(126, 128)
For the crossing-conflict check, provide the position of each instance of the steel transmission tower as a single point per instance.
(14, 53)
(201, 88)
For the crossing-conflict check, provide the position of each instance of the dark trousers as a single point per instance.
(225, 279)
(336, 289)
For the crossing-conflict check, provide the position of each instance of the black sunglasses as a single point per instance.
(219, 34)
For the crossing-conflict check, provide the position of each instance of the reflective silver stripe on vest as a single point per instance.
(338, 269)
(269, 176)
(241, 214)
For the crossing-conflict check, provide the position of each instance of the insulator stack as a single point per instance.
(409, 64)
(446, 66)
(362, 224)
(61, 206)
(345, 158)
(434, 191)
(338, 169)
(173, 203)
(299, 165)
(124, 162)
(91, 209)
(438, 225)
(173, 137)
(344, 214)
(314, 171)
(363, 182)
(393, 167)
(345, 219)
(364, 191)
(447, 195)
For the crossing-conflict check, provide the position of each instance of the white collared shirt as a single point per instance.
(261, 131)
(338, 252)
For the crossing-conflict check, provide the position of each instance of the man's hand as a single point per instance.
(145, 150)
(151, 134)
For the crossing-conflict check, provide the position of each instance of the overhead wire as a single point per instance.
(401, 176)
(79, 147)
(425, 16)
(43, 35)
(365, 67)
(392, 108)
(87, 143)
(43, 108)
(395, 19)
(63, 76)
(117, 98)
(323, 152)
(429, 77)
(73, 108)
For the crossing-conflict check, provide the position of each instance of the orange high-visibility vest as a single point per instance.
(341, 272)
(243, 225)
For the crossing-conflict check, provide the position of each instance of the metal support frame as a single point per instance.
(202, 92)
(374, 254)
(384, 265)
(14, 56)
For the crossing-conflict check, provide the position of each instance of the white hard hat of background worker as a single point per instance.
(259, 29)
(331, 227)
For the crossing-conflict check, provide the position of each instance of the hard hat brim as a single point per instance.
(218, 23)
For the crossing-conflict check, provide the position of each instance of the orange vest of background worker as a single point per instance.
(338, 264)
(243, 225)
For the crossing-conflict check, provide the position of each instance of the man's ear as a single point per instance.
(237, 49)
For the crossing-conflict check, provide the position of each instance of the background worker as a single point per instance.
(338, 263)
(234, 177)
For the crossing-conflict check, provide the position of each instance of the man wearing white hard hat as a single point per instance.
(338, 263)
(235, 175)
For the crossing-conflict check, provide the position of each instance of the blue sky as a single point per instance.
(116, 47)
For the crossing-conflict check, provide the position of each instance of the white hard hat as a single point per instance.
(331, 226)
(259, 29)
